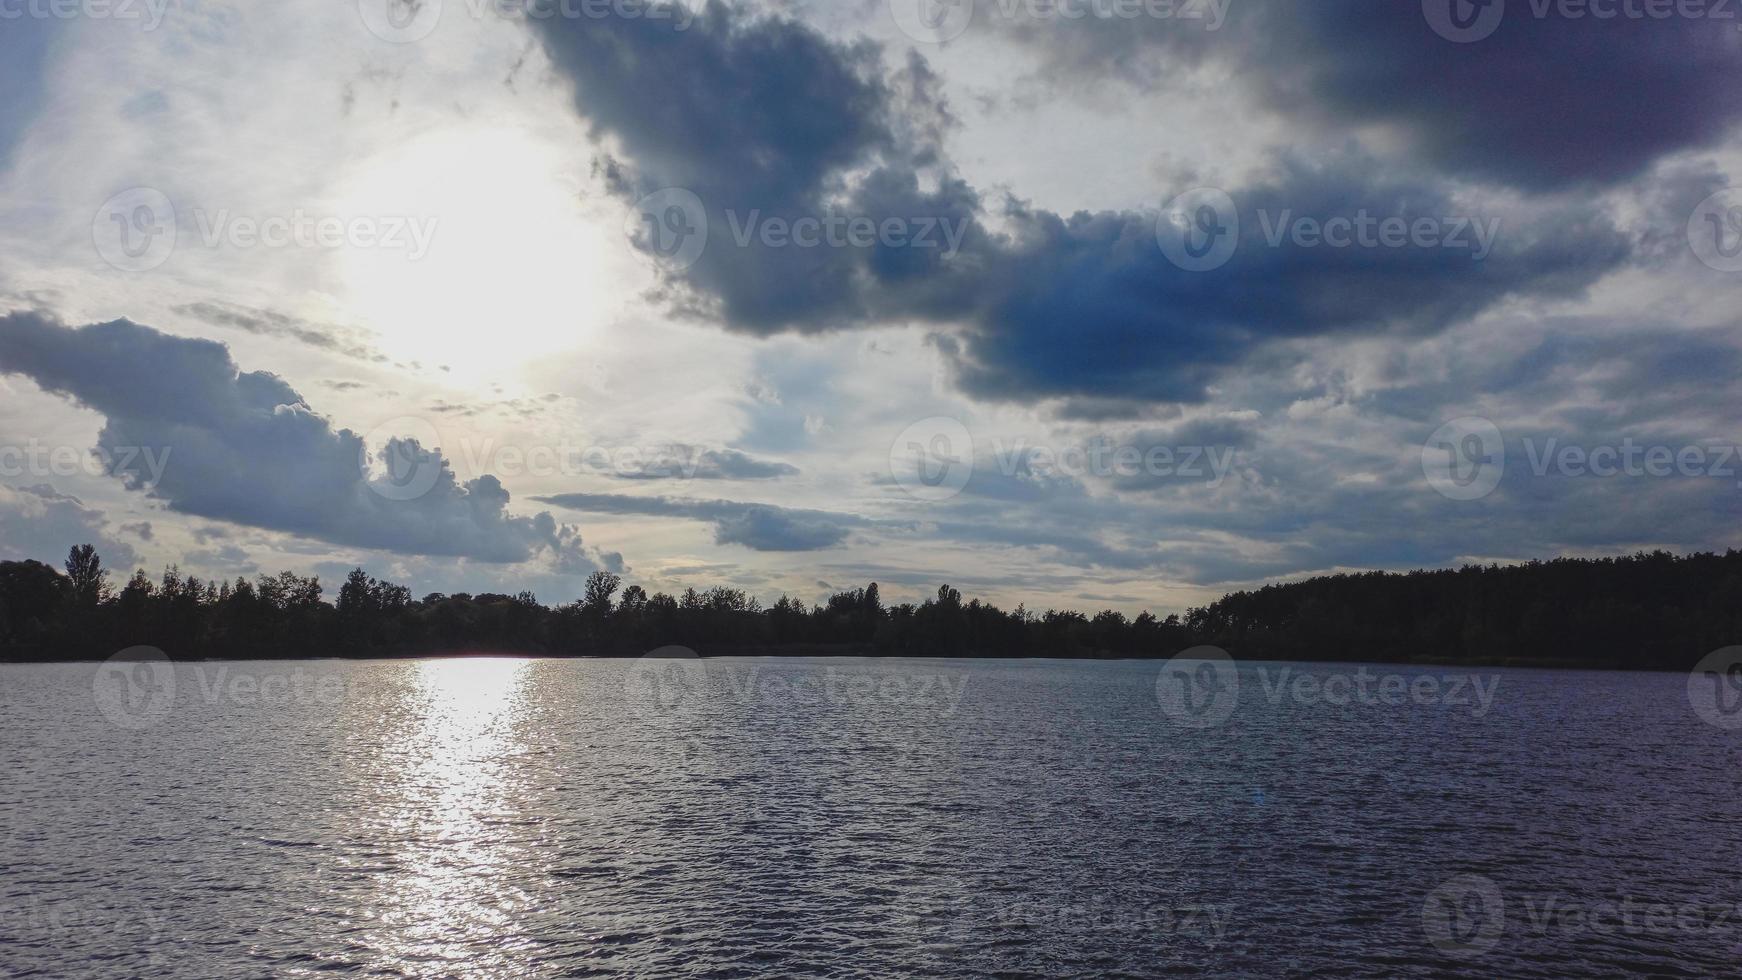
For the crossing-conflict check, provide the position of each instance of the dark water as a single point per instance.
(774, 818)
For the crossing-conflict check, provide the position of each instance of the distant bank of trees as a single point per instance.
(1653, 611)
(1644, 611)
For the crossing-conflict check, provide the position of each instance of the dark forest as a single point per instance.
(1646, 611)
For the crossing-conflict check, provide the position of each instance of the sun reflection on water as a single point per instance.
(468, 696)
(454, 906)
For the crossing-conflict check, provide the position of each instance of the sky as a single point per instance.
(1102, 303)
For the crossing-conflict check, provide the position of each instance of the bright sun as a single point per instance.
(515, 268)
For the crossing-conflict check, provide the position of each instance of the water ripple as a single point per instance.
(513, 819)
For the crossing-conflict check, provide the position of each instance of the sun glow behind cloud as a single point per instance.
(518, 264)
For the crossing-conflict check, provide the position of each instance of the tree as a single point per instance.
(30, 593)
(601, 586)
(355, 595)
(287, 591)
(389, 598)
(1642, 611)
(90, 581)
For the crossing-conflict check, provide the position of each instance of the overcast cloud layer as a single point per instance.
(1119, 310)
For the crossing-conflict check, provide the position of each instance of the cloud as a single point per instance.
(25, 47)
(1545, 102)
(1081, 306)
(245, 447)
(1324, 367)
(832, 132)
(1584, 368)
(266, 323)
(681, 462)
(40, 522)
(764, 527)
(1196, 452)
(759, 527)
(732, 102)
(227, 560)
(1089, 306)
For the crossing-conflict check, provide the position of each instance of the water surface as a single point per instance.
(515, 818)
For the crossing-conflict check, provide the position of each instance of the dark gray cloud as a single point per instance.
(760, 527)
(1089, 306)
(766, 120)
(764, 107)
(1084, 307)
(1545, 101)
(245, 447)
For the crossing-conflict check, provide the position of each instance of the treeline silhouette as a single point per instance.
(1648, 611)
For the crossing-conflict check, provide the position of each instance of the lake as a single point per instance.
(728, 818)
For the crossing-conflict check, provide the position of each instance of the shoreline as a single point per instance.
(853, 652)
